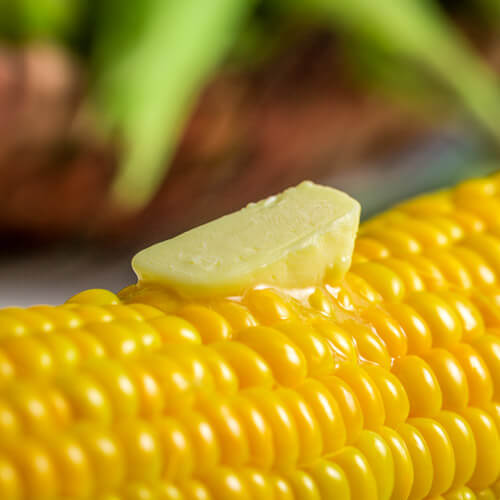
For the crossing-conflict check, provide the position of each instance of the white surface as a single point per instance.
(52, 277)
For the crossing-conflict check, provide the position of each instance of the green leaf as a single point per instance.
(150, 69)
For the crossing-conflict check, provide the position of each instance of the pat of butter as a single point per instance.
(296, 239)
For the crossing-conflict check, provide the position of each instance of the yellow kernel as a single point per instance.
(488, 347)
(60, 317)
(450, 227)
(366, 392)
(231, 435)
(224, 483)
(141, 447)
(34, 465)
(258, 430)
(225, 379)
(321, 302)
(471, 319)
(382, 279)
(407, 273)
(333, 409)
(87, 344)
(452, 269)
(488, 447)
(10, 326)
(462, 493)
(58, 405)
(429, 204)
(442, 320)
(137, 491)
(479, 270)
(175, 329)
(160, 299)
(418, 335)
(87, 399)
(380, 459)
(171, 378)
(485, 207)
(9, 420)
(238, 316)
(195, 490)
(451, 378)
(370, 248)
(358, 287)
(370, 346)
(287, 362)
(441, 452)
(211, 325)
(471, 188)
(250, 368)
(90, 313)
(10, 482)
(420, 384)
(469, 222)
(192, 365)
(151, 396)
(486, 494)
(476, 370)
(308, 428)
(267, 306)
(105, 453)
(487, 246)
(72, 464)
(424, 232)
(281, 488)
(31, 321)
(96, 297)
(314, 347)
(340, 341)
(357, 470)
(123, 312)
(428, 271)
(284, 429)
(387, 329)
(7, 368)
(422, 460)
(403, 464)
(116, 340)
(146, 312)
(399, 243)
(63, 352)
(118, 385)
(202, 445)
(260, 485)
(324, 479)
(463, 443)
(396, 403)
(29, 404)
(29, 356)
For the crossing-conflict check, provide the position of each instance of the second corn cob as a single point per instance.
(385, 385)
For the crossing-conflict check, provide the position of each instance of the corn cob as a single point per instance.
(385, 385)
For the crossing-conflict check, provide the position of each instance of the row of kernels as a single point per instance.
(93, 461)
(473, 263)
(422, 458)
(115, 394)
(38, 354)
(46, 354)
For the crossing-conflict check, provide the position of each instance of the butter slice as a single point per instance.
(296, 239)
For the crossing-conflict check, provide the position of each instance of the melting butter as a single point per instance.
(296, 239)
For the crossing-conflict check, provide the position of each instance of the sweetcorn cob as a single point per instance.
(385, 385)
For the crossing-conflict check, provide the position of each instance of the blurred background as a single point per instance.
(125, 123)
